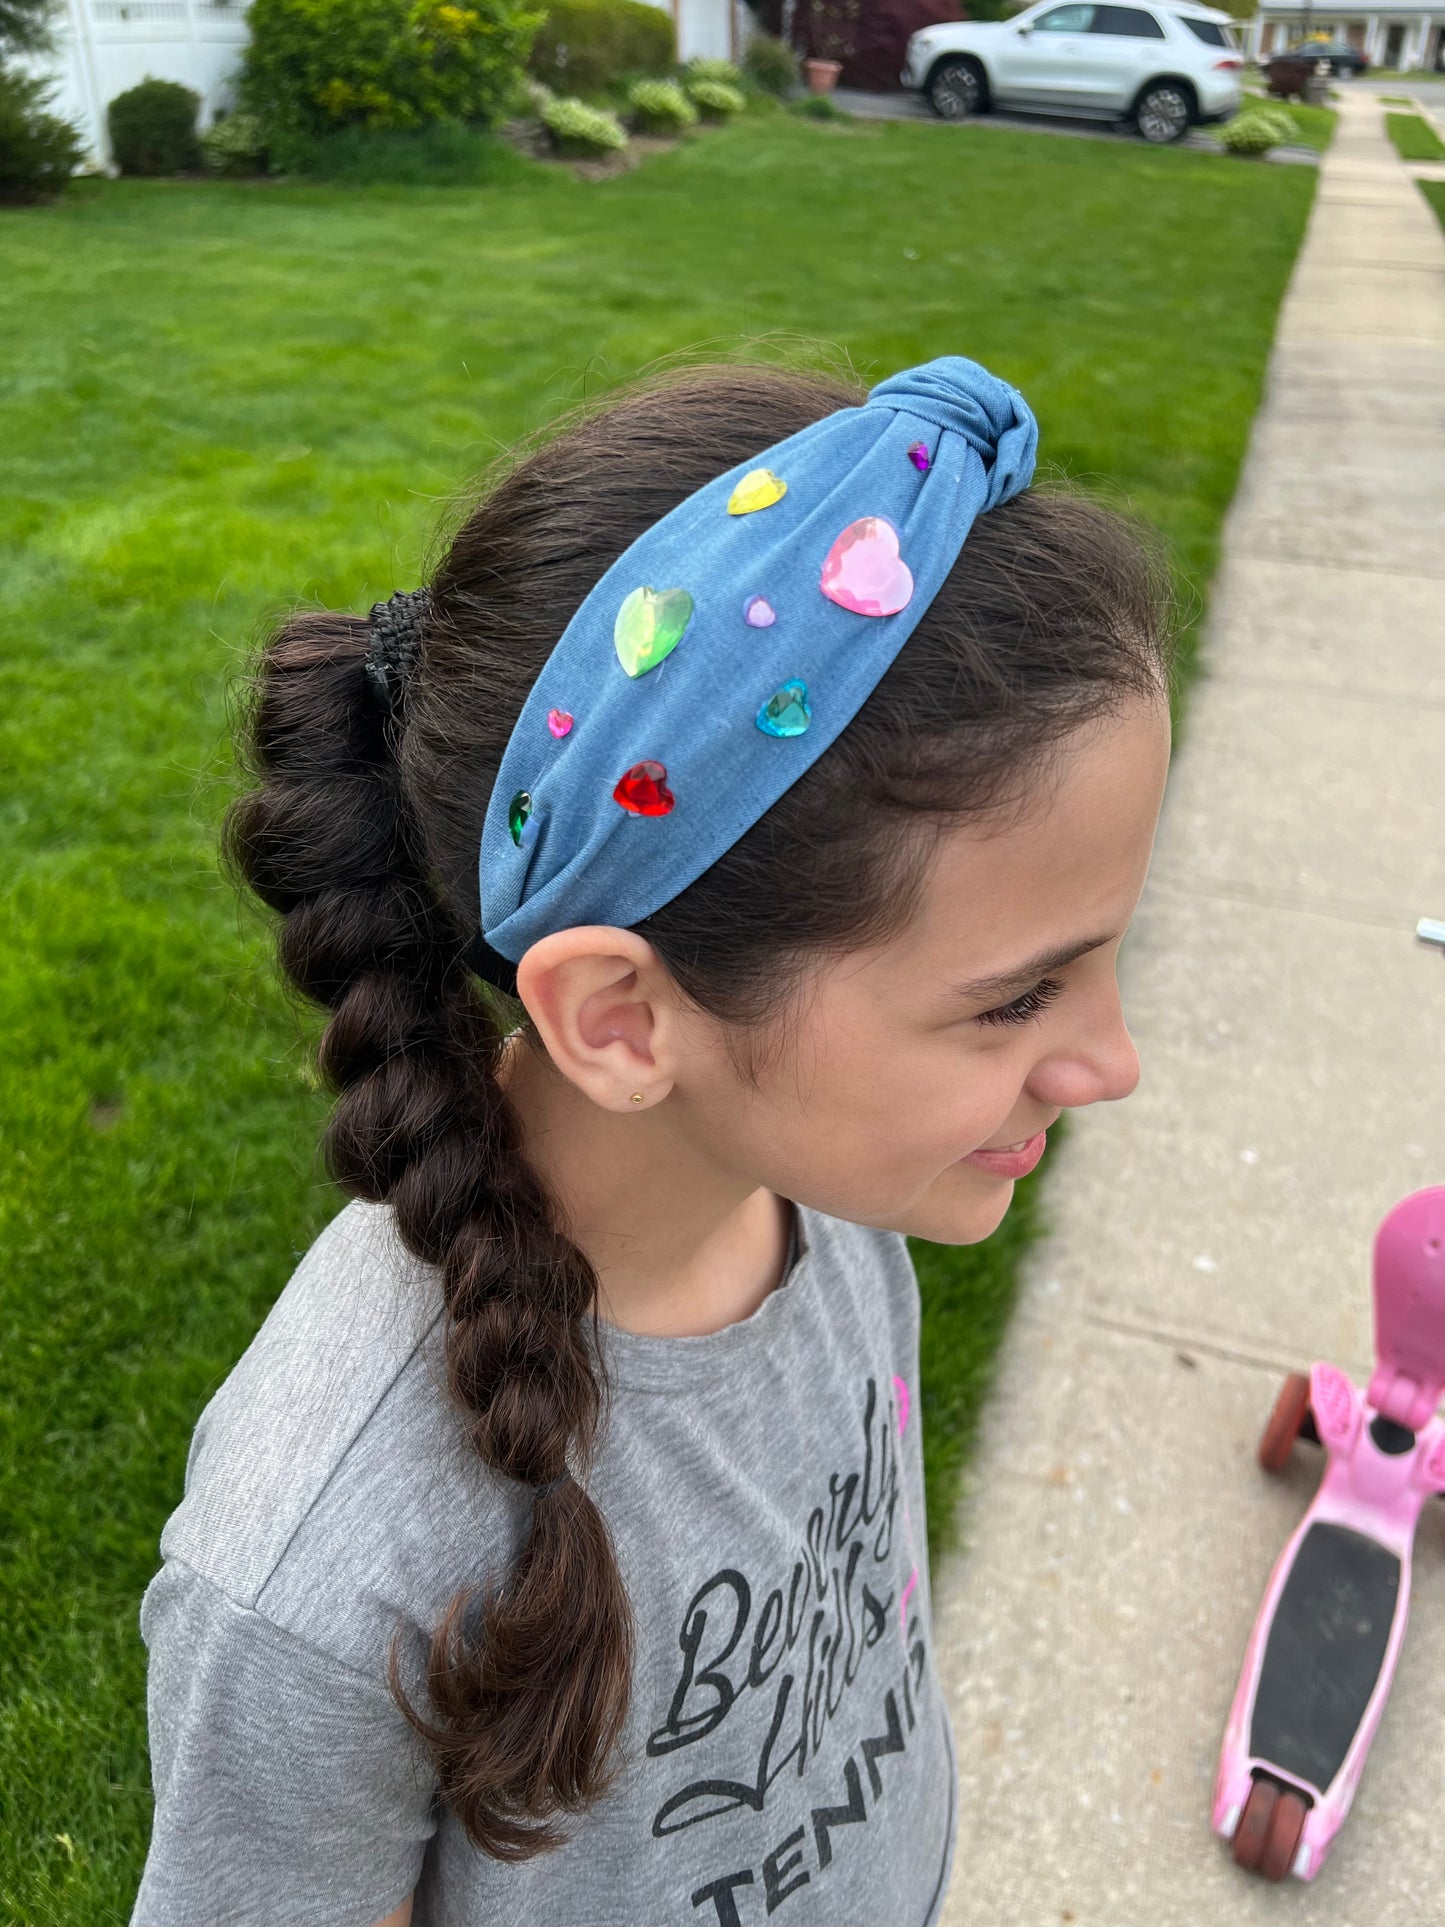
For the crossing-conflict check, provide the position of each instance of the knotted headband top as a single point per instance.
(731, 643)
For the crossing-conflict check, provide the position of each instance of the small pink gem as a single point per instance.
(919, 457)
(759, 613)
(559, 722)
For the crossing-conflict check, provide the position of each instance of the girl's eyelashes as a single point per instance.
(1031, 1004)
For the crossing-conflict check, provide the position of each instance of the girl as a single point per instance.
(555, 1554)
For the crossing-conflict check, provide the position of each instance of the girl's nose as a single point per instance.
(1096, 1066)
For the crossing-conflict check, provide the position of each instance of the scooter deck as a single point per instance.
(1325, 1650)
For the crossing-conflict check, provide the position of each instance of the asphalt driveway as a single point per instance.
(903, 106)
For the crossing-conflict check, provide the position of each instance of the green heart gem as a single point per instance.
(518, 811)
(649, 626)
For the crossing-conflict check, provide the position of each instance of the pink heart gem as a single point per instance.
(864, 571)
(559, 722)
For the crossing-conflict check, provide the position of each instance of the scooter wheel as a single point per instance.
(1284, 1836)
(1251, 1836)
(1268, 1835)
(1286, 1421)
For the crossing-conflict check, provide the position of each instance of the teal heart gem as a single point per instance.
(649, 626)
(786, 712)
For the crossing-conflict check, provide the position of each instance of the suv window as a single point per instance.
(1065, 19)
(1132, 22)
(1209, 31)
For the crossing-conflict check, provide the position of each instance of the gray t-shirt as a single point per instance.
(787, 1748)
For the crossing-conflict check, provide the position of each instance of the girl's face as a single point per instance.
(905, 1058)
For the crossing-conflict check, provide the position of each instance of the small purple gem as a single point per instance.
(919, 457)
(759, 613)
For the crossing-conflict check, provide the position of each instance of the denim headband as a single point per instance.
(723, 652)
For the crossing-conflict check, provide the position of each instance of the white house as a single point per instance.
(105, 46)
(102, 47)
(1409, 34)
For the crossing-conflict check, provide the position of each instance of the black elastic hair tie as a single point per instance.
(490, 965)
(564, 1477)
(394, 645)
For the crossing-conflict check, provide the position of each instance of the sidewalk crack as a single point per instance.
(1260, 1359)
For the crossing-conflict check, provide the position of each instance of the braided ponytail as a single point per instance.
(527, 1696)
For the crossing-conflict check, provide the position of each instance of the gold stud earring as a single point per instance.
(637, 1097)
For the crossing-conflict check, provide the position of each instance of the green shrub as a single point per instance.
(235, 145)
(703, 67)
(1256, 131)
(38, 151)
(583, 132)
(771, 64)
(715, 99)
(817, 107)
(445, 153)
(153, 128)
(313, 66)
(588, 45)
(660, 107)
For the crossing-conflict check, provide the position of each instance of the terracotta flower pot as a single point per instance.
(822, 74)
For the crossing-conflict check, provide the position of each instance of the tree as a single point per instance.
(25, 26)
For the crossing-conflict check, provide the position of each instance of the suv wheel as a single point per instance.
(1162, 113)
(955, 89)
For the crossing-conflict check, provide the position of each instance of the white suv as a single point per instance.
(1163, 67)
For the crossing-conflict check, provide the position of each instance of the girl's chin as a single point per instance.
(959, 1213)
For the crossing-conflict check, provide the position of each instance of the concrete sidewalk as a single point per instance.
(1213, 1232)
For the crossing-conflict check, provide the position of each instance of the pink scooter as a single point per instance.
(1323, 1652)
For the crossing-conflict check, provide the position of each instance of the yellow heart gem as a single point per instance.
(757, 490)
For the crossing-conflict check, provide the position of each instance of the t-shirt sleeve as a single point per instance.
(288, 1786)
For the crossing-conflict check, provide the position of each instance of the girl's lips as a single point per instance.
(1011, 1164)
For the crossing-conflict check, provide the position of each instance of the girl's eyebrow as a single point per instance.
(1036, 967)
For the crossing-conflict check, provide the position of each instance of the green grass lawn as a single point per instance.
(1314, 126)
(1415, 139)
(223, 398)
(1434, 192)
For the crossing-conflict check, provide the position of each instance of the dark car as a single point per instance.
(1343, 58)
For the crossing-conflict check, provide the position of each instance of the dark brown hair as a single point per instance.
(363, 833)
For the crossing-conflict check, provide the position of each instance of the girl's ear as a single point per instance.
(605, 1009)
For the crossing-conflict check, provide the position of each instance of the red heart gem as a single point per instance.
(643, 790)
(559, 721)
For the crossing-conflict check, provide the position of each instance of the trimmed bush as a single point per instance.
(817, 107)
(444, 153)
(153, 128)
(586, 46)
(771, 64)
(704, 67)
(1256, 131)
(313, 66)
(235, 145)
(38, 151)
(715, 99)
(582, 132)
(660, 107)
